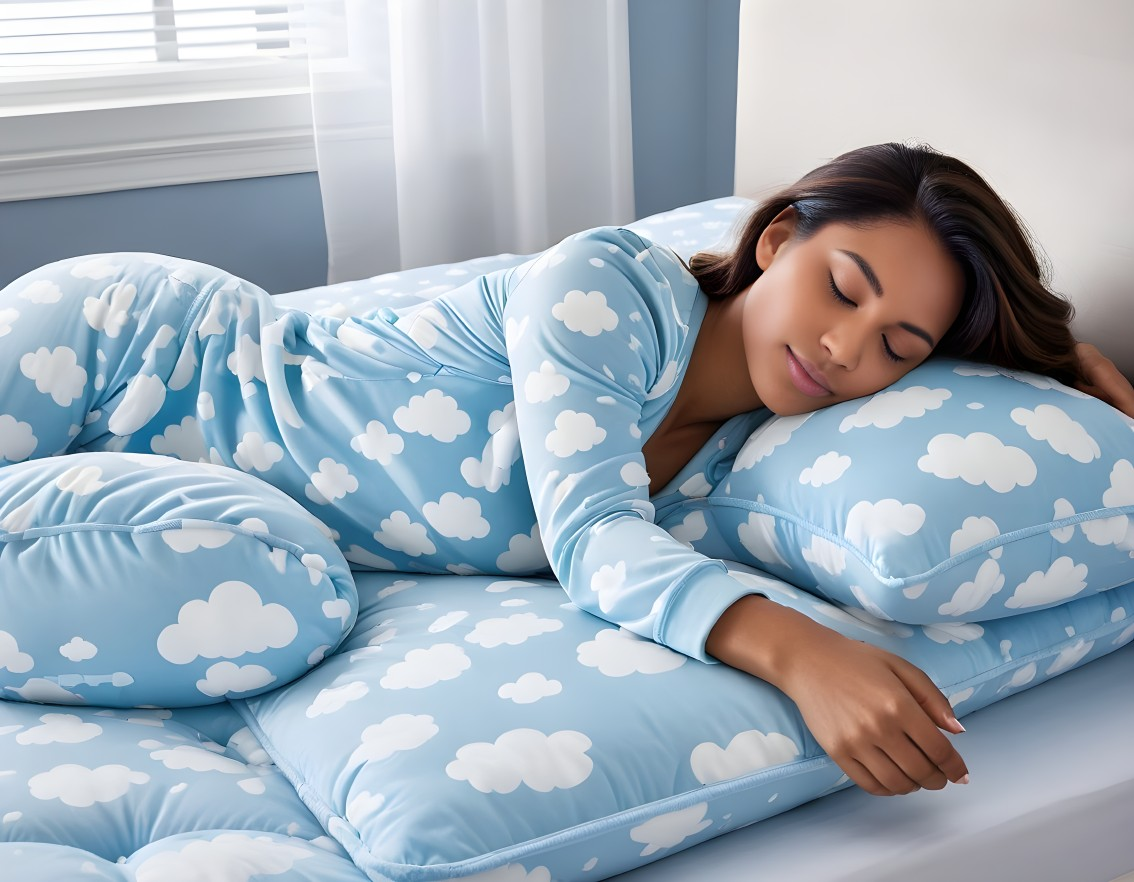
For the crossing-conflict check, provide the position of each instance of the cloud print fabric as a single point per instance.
(135, 579)
(962, 493)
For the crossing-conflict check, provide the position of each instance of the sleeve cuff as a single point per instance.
(699, 602)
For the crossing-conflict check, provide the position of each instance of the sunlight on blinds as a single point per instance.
(37, 35)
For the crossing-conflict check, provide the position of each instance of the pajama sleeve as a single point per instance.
(593, 335)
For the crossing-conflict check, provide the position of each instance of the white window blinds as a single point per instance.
(102, 95)
(40, 36)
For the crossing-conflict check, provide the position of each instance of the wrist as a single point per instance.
(765, 639)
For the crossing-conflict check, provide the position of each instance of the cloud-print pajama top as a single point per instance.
(428, 439)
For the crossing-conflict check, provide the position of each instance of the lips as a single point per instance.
(806, 377)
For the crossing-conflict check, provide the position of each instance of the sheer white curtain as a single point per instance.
(449, 129)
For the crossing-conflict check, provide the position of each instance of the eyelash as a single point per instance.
(846, 301)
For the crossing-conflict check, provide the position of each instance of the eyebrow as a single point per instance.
(872, 280)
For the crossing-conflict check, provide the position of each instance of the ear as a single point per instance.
(777, 234)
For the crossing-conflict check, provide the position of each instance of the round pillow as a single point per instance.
(130, 580)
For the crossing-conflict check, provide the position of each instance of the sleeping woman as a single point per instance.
(520, 423)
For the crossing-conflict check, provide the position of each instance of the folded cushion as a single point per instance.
(472, 724)
(130, 580)
(962, 493)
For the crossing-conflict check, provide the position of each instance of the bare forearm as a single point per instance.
(762, 638)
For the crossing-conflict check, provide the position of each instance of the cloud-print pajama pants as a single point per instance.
(432, 438)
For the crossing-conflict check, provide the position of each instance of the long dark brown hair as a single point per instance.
(1010, 316)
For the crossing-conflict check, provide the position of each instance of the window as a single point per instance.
(99, 96)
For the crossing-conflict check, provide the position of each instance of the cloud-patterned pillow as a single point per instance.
(130, 580)
(962, 493)
(480, 725)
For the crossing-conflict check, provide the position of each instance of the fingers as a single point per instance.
(902, 748)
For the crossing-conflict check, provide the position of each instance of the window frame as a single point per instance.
(65, 133)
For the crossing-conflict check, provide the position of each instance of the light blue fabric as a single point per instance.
(401, 429)
(134, 579)
(470, 724)
(961, 493)
(655, 752)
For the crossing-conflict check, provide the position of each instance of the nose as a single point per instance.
(844, 344)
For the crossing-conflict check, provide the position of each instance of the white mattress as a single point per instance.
(1056, 806)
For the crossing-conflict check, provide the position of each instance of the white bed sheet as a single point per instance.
(1055, 807)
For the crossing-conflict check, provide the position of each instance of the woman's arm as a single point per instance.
(874, 713)
(1103, 380)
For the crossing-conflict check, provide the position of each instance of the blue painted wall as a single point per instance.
(270, 230)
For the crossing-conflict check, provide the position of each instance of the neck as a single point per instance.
(717, 385)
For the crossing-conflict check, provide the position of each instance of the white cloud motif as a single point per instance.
(513, 630)
(767, 437)
(975, 594)
(17, 440)
(80, 480)
(617, 652)
(1059, 582)
(524, 756)
(1070, 656)
(145, 395)
(423, 668)
(233, 621)
(747, 752)
(42, 291)
(399, 533)
(256, 452)
(456, 516)
(953, 632)
(433, 414)
(11, 658)
(378, 443)
(886, 409)
(525, 553)
(607, 582)
(974, 531)
(758, 535)
(825, 555)
(81, 787)
(1051, 424)
(634, 474)
(397, 733)
(335, 698)
(182, 441)
(77, 649)
(530, 688)
(59, 729)
(586, 313)
(874, 520)
(196, 759)
(692, 528)
(574, 432)
(188, 537)
(333, 481)
(546, 383)
(826, 469)
(56, 372)
(230, 857)
(226, 678)
(110, 311)
(670, 829)
(978, 458)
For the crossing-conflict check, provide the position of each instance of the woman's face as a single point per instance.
(845, 312)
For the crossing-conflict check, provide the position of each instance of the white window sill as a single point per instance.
(135, 129)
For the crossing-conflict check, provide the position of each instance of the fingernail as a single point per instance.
(956, 723)
(964, 780)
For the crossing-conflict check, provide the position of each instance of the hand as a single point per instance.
(1103, 380)
(875, 714)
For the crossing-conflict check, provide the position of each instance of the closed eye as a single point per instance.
(846, 301)
(837, 294)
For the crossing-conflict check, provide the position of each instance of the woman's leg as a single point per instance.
(92, 348)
